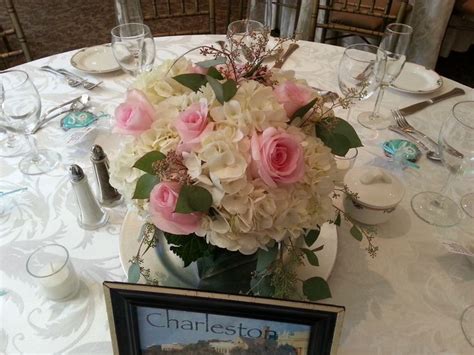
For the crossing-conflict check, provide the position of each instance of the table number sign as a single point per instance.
(151, 320)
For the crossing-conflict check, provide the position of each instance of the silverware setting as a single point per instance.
(409, 110)
(430, 154)
(77, 104)
(73, 80)
(284, 57)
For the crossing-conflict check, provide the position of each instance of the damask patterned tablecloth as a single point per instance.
(407, 300)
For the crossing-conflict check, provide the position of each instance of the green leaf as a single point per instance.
(303, 110)
(188, 247)
(316, 288)
(338, 135)
(145, 163)
(193, 199)
(224, 92)
(356, 233)
(214, 73)
(192, 80)
(226, 270)
(311, 256)
(337, 222)
(312, 236)
(212, 62)
(266, 257)
(145, 184)
(134, 273)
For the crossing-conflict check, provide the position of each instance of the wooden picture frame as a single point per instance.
(154, 320)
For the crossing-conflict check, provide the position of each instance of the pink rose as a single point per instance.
(192, 124)
(277, 157)
(162, 207)
(293, 96)
(135, 115)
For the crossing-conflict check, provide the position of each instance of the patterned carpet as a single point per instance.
(55, 26)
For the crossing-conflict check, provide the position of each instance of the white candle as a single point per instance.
(59, 284)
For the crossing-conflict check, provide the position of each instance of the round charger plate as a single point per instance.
(95, 60)
(169, 268)
(416, 79)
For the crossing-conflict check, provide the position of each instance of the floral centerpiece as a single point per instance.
(233, 162)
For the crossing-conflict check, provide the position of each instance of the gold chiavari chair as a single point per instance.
(364, 18)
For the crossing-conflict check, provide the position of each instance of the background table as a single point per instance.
(407, 300)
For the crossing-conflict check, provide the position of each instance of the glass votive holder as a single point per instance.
(344, 164)
(51, 267)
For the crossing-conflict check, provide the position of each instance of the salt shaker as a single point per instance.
(91, 215)
(108, 195)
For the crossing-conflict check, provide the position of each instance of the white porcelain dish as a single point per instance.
(416, 79)
(169, 267)
(378, 194)
(95, 60)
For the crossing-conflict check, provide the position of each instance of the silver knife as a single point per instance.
(409, 110)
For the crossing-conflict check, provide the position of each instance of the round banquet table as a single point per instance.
(406, 300)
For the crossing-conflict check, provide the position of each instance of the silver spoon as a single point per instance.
(77, 105)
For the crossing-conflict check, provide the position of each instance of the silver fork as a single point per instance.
(84, 82)
(403, 124)
(70, 81)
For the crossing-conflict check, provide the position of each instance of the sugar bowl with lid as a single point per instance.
(375, 194)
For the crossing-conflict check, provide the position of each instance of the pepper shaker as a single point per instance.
(108, 195)
(91, 215)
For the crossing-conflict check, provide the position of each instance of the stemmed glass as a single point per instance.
(242, 35)
(456, 147)
(261, 11)
(361, 70)
(395, 43)
(133, 47)
(21, 109)
(11, 145)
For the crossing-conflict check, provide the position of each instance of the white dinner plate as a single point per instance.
(95, 60)
(169, 268)
(416, 79)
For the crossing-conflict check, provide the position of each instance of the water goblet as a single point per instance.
(456, 148)
(245, 37)
(395, 43)
(21, 109)
(361, 70)
(133, 47)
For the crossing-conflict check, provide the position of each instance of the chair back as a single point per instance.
(15, 31)
(286, 10)
(189, 16)
(366, 18)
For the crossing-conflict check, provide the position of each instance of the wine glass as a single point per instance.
(456, 147)
(395, 42)
(133, 47)
(243, 36)
(361, 71)
(21, 109)
(11, 145)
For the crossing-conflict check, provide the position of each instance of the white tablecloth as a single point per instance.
(408, 300)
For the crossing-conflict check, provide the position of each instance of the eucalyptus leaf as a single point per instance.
(214, 73)
(188, 247)
(311, 256)
(337, 222)
(145, 163)
(303, 110)
(266, 257)
(312, 236)
(133, 273)
(316, 288)
(212, 62)
(192, 81)
(224, 92)
(356, 233)
(145, 184)
(193, 199)
(338, 135)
